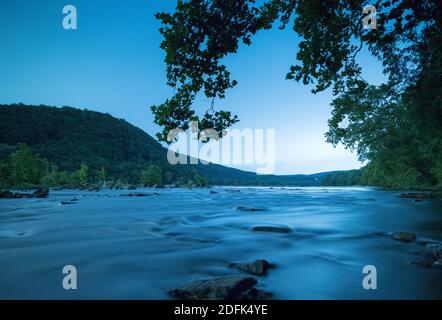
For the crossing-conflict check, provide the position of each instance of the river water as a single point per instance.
(141, 247)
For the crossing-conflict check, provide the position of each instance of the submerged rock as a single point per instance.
(417, 195)
(434, 250)
(232, 190)
(67, 202)
(249, 209)
(135, 195)
(424, 261)
(404, 236)
(257, 267)
(212, 192)
(277, 229)
(223, 288)
(431, 257)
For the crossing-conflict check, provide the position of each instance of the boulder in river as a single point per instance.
(423, 261)
(258, 267)
(277, 229)
(434, 250)
(9, 195)
(432, 256)
(233, 287)
(67, 202)
(135, 195)
(39, 193)
(250, 209)
(404, 236)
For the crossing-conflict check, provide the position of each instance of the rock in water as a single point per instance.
(257, 267)
(40, 193)
(249, 209)
(9, 195)
(277, 229)
(426, 262)
(66, 202)
(434, 250)
(222, 288)
(404, 236)
(135, 195)
(431, 257)
(438, 264)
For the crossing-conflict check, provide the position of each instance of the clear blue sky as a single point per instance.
(112, 63)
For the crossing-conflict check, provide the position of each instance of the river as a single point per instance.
(141, 247)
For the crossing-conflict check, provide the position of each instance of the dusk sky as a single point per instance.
(112, 63)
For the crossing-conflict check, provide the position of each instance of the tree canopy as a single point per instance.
(396, 125)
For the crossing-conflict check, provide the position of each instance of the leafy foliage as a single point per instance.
(151, 175)
(25, 167)
(79, 177)
(344, 178)
(201, 181)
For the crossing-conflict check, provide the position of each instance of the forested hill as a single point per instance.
(68, 138)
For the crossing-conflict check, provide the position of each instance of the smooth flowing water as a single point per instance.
(141, 247)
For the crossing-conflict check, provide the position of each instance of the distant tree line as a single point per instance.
(24, 169)
(344, 178)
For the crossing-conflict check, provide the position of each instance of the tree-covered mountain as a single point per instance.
(95, 146)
